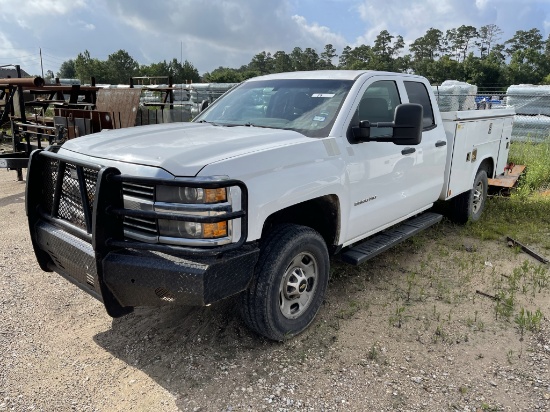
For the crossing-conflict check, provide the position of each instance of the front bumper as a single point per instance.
(142, 278)
(117, 271)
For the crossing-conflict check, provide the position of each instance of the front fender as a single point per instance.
(282, 177)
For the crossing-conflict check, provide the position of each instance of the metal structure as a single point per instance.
(165, 102)
(25, 103)
(41, 114)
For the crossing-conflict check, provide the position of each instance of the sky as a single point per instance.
(213, 33)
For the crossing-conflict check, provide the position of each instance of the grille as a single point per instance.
(71, 204)
(50, 177)
(139, 226)
(146, 226)
(140, 191)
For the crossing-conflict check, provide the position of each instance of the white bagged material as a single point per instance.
(455, 95)
(528, 99)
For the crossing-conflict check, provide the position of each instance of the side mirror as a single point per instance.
(361, 133)
(203, 105)
(407, 127)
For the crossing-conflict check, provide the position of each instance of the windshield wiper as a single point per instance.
(206, 121)
(248, 124)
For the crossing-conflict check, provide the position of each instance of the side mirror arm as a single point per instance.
(407, 127)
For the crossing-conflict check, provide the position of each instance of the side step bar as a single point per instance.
(391, 237)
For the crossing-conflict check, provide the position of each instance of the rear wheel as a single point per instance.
(291, 278)
(470, 205)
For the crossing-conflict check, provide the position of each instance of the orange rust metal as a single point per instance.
(509, 178)
(27, 81)
(64, 88)
(124, 103)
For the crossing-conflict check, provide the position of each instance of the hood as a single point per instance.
(182, 149)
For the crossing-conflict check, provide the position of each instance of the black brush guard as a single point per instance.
(76, 217)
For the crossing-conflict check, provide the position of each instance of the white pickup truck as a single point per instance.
(256, 194)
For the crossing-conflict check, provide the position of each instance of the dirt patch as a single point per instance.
(426, 326)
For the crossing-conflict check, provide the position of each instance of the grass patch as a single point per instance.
(536, 156)
(525, 215)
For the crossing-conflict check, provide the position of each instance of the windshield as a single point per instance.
(306, 106)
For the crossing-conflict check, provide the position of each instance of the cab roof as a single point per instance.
(327, 74)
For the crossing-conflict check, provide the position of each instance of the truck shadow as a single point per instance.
(206, 357)
(9, 200)
(208, 351)
(187, 348)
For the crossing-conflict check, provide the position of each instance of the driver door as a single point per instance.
(383, 176)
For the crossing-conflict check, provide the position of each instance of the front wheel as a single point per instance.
(470, 205)
(291, 279)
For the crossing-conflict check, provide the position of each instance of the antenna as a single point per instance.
(41, 65)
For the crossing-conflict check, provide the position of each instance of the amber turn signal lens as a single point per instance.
(215, 195)
(214, 230)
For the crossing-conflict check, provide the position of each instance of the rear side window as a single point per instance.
(419, 94)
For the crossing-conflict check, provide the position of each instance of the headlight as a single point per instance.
(192, 230)
(192, 195)
(166, 213)
(188, 200)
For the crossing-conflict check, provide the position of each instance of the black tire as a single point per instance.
(469, 206)
(290, 282)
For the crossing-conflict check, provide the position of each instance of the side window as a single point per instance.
(378, 105)
(418, 94)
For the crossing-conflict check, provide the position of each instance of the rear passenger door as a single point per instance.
(433, 146)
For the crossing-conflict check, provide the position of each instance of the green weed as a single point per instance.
(398, 318)
(348, 312)
(536, 156)
(525, 215)
(373, 352)
(527, 320)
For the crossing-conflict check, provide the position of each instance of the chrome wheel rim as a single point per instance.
(477, 200)
(298, 285)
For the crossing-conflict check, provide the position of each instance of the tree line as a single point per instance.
(120, 66)
(465, 53)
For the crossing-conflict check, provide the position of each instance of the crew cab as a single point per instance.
(256, 193)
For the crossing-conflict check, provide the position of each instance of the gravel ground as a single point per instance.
(405, 332)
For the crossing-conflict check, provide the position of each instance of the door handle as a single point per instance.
(408, 150)
(440, 143)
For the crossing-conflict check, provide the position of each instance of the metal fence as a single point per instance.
(177, 103)
(532, 119)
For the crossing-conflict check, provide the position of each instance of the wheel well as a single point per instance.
(488, 166)
(321, 214)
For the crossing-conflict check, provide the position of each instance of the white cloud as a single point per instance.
(50, 6)
(7, 46)
(23, 9)
(318, 33)
(481, 4)
(414, 19)
(230, 32)
(22, 23)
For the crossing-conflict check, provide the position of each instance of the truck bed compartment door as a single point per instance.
(471, 143)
